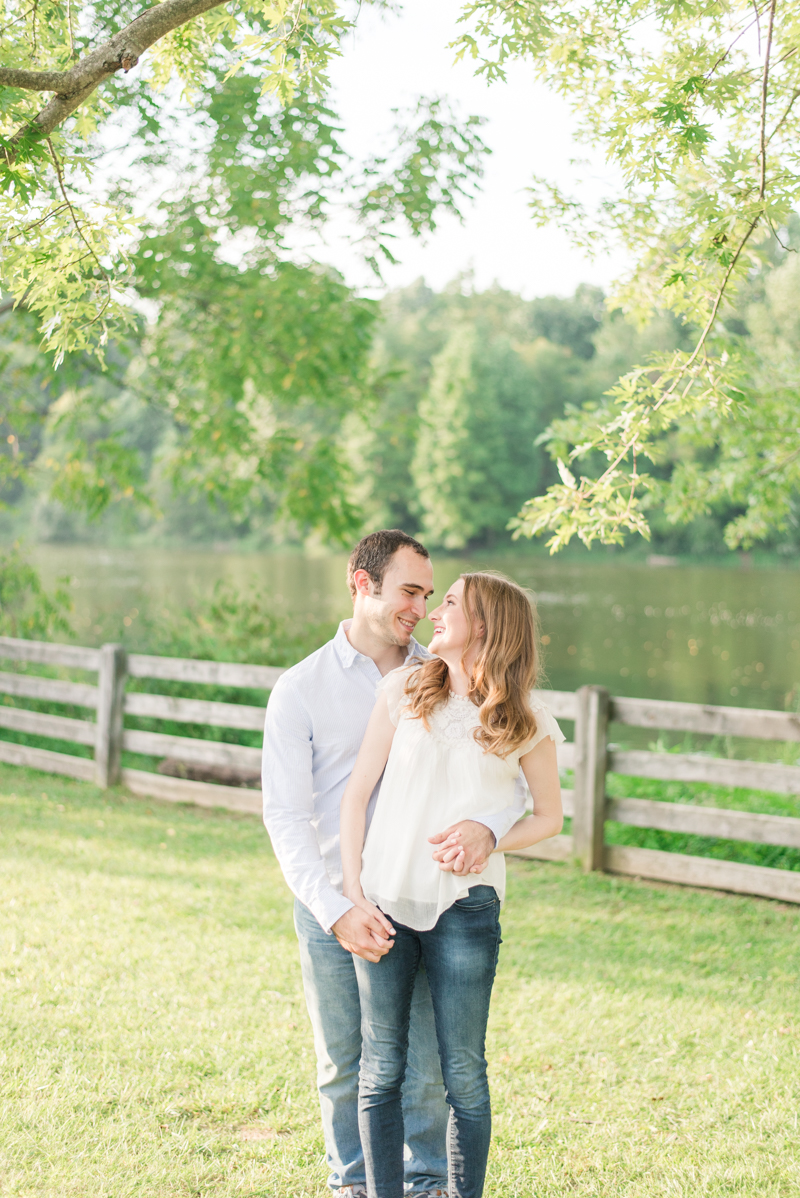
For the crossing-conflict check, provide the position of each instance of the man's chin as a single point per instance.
(403, 635)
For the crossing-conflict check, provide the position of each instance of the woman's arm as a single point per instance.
(370, 764)
(540, 768)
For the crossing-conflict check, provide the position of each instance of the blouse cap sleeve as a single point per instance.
(546, 725)
(393, 685)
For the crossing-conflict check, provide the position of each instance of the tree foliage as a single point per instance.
(695, 107)
(26, 608)
(252, 352)
(470, 381)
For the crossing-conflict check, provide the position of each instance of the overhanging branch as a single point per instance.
(34, 81)
(119, 53)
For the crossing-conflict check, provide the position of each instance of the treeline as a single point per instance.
(464, 384)
(472, 381)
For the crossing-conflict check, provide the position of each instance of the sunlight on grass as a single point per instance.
(643, 1041)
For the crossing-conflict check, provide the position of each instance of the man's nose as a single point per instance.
(419, 606)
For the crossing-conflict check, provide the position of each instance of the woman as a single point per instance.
(451, 734)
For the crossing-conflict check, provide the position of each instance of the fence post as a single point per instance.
(591, 743)
(111, 686)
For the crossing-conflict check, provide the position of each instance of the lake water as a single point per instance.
(706, 634)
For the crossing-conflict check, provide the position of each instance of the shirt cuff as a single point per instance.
(328, 907)
(498, 824)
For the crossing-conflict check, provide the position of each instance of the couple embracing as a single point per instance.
(392, 782)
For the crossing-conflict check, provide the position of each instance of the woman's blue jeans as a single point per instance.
(460, 959)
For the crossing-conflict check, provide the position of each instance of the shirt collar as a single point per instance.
(347, 654)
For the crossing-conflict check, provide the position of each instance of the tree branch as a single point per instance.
(764, 90)
(785, 116)
(787, 461)
(34, 81)
(79, 231)
(119, 53)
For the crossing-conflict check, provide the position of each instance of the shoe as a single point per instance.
(356, 1191)
(428, 1194)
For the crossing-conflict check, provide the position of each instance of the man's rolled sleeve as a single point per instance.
(288, 794)
(503, 821)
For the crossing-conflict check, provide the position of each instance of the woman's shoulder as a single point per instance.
(400, 675)
(546, 723)
(393, 686)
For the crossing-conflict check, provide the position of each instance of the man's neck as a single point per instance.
(386, 657)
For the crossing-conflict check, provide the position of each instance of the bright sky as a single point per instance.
(392, 60)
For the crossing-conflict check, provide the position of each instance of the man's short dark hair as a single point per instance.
(373, 554)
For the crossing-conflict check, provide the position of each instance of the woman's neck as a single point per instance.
(459, 671)
(458, 679)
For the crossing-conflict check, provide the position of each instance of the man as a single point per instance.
(316, 719)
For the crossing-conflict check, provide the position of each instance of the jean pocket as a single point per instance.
(479, 898)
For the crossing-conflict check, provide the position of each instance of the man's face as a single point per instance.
(393, 614)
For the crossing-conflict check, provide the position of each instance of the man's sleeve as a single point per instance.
(501, 822)
(288, 791)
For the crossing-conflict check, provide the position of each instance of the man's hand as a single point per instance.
(463, 848)
(364, 934)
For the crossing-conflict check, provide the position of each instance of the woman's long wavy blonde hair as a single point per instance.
(505, 669)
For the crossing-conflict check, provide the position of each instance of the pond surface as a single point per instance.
(705, 634)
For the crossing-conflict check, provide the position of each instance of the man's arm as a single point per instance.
(287, 785)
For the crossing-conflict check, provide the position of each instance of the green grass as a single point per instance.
(153, 1038)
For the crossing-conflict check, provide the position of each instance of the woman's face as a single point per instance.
(451, 623)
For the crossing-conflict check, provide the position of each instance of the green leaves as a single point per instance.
(696, 108)
(295, 50)
(257, 368)
(70, 265)
(67, 257)
(252, 361)
(26, 608)
(435, 168)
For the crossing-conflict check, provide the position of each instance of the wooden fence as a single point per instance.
(589, 756)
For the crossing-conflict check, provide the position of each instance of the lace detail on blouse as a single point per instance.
(456, 719)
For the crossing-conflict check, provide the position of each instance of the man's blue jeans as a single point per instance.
(460, 958)
(331, 990)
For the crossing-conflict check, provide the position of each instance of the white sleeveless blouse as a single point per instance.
(434, 779)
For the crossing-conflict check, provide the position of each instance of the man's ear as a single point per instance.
(362, 582)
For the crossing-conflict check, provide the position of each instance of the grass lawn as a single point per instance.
(153, 1039)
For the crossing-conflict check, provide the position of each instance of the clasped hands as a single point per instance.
(463, 848)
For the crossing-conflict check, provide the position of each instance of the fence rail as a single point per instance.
(589, 755)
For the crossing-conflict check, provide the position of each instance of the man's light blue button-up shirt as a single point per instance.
(316, 719)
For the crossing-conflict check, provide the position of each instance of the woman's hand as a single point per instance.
(463, 848)
(364, 934)
(356, 896)
(375, 912)
(363, 930)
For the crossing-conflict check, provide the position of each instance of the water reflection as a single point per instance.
(698, 633)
